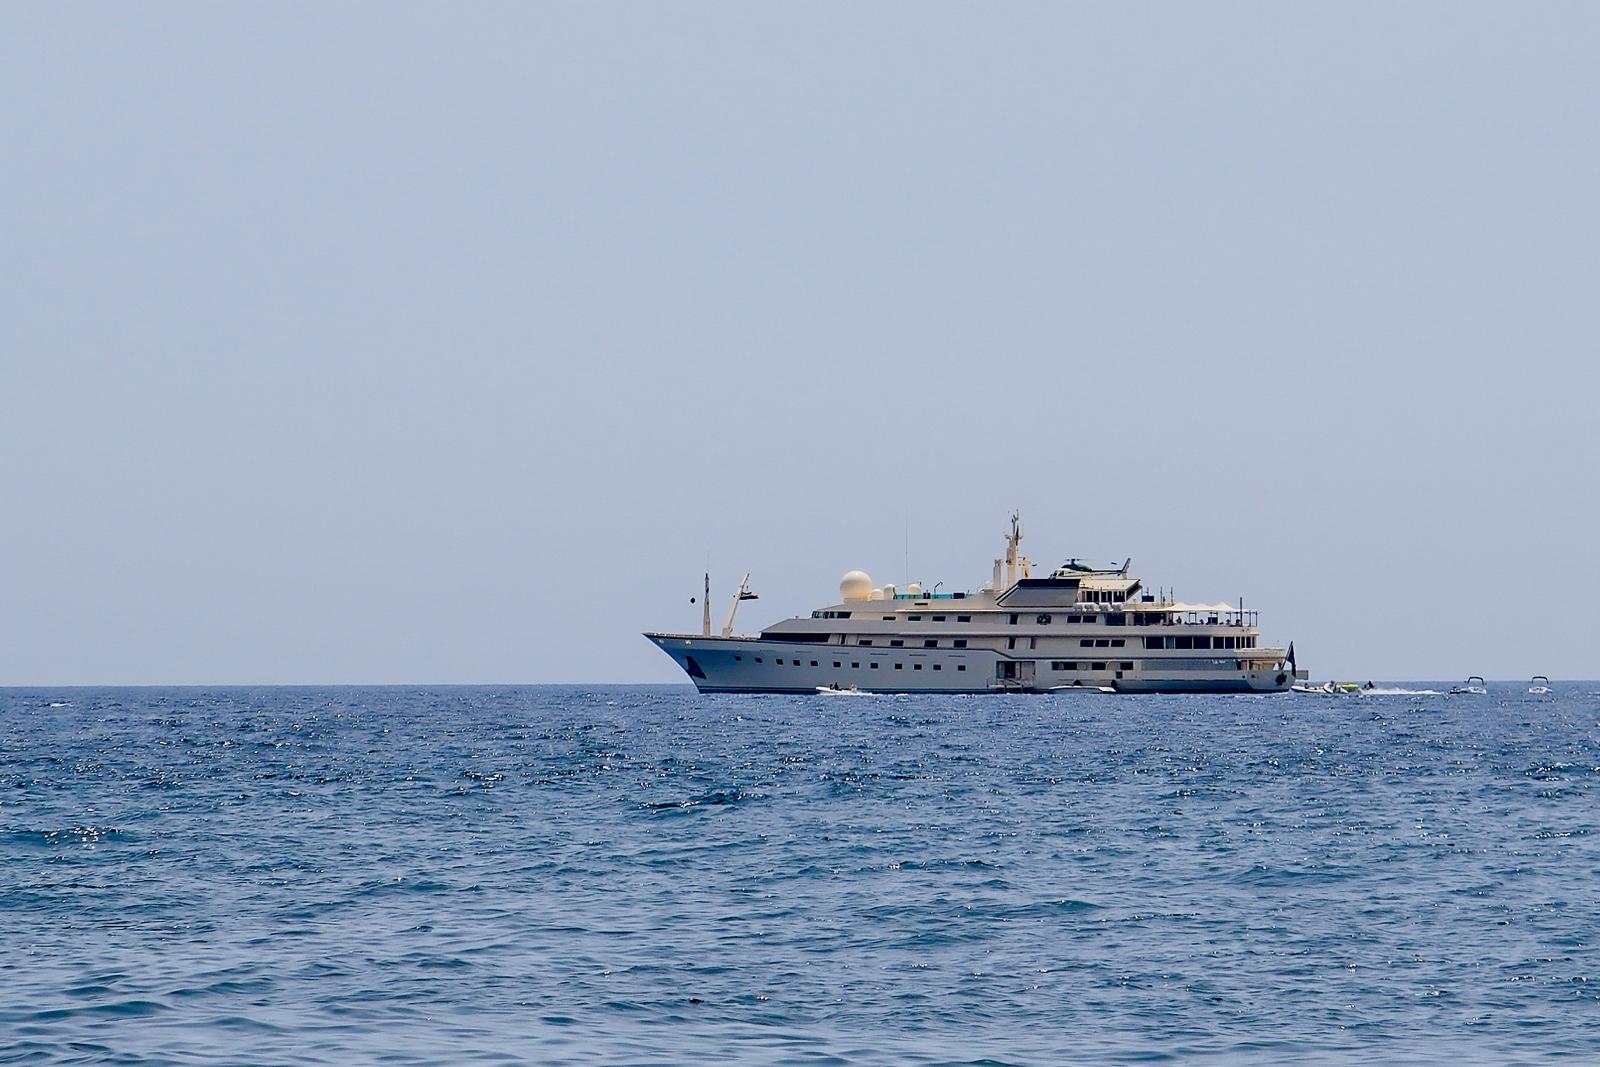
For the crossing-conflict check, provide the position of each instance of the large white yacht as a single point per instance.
(1079, 627)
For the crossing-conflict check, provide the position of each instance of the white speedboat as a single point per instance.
(841, 691)
(1473, 686)
(1334, 689)
(1540, 686)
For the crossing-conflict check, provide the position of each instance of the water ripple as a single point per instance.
(645, 876)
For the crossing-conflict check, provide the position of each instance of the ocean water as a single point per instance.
(633, 875)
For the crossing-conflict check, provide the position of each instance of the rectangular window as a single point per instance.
(1097, 666)
(1118, 642)
(938, 667)
(1102, 642)
(961, 666)
(1116, 618)
(758, 659)
(814, 663)
(836, 664)
(864, 641)
(888, 618)
(1184, 641)
(963, 618)
(1013, 620)
(1202, 641)
(854, 665)
(960, 642)
(797, 663)
(938, 618)
(874, 666)
(916, 618)
(738, 659)
(916, 666)
(930, 643)
(1125, 666)
(899, 666)
(1011, 642)
(897, 643)
(1085, 642)
(1152, 642)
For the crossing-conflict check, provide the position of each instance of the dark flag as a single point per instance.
(1291, 655)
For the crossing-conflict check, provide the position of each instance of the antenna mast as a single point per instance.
(1012, 541)
(705, 609)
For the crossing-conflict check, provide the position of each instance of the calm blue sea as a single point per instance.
(635, 875)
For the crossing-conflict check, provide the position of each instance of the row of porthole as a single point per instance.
(856, 665)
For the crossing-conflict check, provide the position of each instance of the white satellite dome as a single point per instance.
(857, 585)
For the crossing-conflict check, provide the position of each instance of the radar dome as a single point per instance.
(855, 586)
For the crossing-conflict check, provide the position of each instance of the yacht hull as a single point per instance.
(758, 665)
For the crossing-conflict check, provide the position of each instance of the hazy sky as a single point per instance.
(392, 342)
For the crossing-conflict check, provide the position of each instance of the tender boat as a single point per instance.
(840, 691)
(1540, 686)
(1335, 689)
(1075, 627)
(1473, 686)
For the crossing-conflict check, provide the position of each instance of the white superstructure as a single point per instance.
(1080, 626)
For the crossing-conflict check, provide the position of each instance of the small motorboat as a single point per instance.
(1473, 686)
(1077, 687)
(1332, 689)
(1540, 686)
(837, 690)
